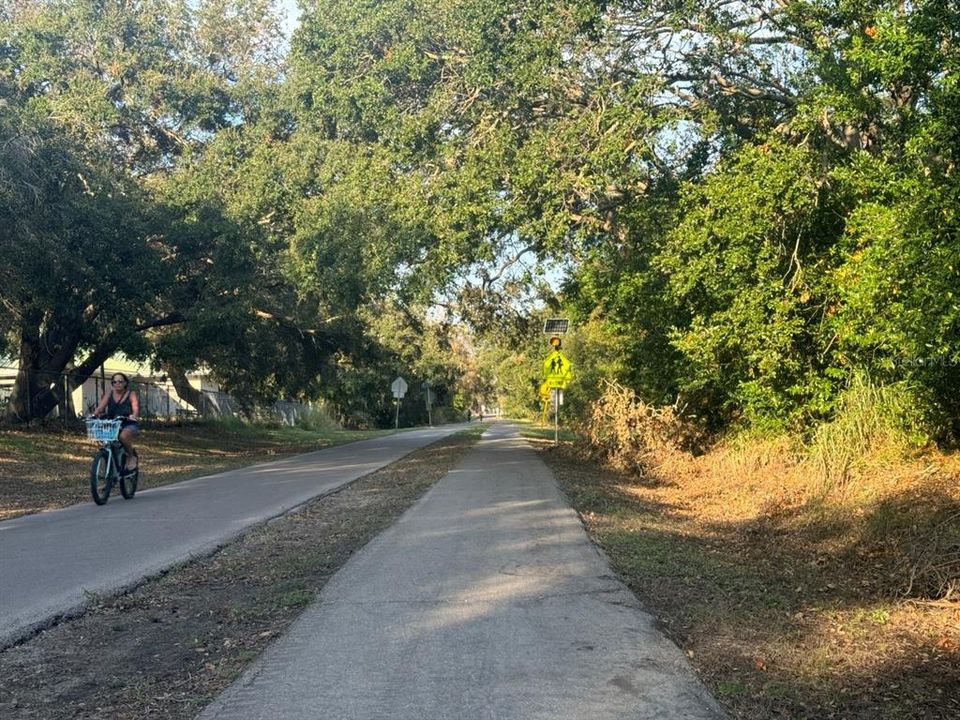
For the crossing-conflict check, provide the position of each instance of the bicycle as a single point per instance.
(110, 461)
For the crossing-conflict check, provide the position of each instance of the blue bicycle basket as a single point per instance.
(103, 430)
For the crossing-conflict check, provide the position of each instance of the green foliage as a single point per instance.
(743, 265)
(144, 82)
(897, 314)
(518, 381)
(869, 417)
(417, 348)
(98, 101)
(79, 268)
(819, 244)
(756, 207)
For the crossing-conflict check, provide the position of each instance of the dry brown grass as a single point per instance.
(794, 598)
(905, 508)
(789, 605)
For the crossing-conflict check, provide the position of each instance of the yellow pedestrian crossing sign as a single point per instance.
(556, 370)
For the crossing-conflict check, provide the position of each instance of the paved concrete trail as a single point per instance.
(51, 562)
(485, 600)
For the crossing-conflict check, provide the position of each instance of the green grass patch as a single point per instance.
(282, 437)
(645, 554)
(296, 598)
(11, 442)
(729, 688)
(474, 430)
(547, 432)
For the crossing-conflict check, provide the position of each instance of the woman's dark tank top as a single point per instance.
(117, 409)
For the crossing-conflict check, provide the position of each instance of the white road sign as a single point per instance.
(399, 388)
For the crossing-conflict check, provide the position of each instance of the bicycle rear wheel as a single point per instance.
(101, 477)
(128, 483)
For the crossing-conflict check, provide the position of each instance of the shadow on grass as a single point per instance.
(49, 467)
(796, 612)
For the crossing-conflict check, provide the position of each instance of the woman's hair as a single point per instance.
(114, 376)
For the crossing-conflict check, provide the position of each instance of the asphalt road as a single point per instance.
(53, 563)
(485, 600)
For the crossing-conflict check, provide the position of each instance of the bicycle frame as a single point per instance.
(115, 457)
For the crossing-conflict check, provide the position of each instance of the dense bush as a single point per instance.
(636, 435)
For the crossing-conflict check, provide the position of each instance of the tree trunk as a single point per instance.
(44, 359)
(186, 392)
(39, 385)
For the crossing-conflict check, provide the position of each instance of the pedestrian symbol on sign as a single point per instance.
(556, 370)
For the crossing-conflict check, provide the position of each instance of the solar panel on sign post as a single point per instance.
(555, 326)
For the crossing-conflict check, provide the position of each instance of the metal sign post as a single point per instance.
(399, 388)
(428, 397)
(557, 394)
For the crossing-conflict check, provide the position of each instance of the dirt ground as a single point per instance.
(167, 648)
(786, 608)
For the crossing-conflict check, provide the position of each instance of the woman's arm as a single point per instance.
(101, 406)
(134, 406)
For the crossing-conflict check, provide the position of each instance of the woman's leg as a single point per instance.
(126, 439)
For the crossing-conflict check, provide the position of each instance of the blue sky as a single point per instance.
(292, 12)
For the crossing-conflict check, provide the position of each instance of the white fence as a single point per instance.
(158, 399)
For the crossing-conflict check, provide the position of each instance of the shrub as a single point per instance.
(316, 417)
(871, 418)
(633, 434)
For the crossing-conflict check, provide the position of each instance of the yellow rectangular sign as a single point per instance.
(557, 370)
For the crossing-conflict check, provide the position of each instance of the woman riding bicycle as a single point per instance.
(122, 402)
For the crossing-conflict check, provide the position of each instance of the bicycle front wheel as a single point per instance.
(128, 483)
(101, 478)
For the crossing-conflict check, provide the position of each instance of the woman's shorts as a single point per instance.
(131, 427)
